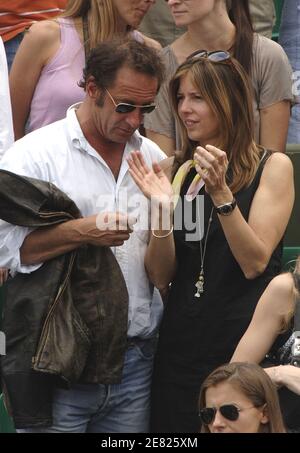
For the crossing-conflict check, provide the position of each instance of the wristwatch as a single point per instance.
(227, 208)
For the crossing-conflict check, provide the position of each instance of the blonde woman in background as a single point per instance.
(49, 62)
(272, 339)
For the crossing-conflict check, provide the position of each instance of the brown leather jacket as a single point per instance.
(67, 321)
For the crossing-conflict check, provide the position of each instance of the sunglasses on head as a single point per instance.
(228, 411)
(216, 55)
(124, 107)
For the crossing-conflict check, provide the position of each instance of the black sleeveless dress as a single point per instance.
(197, 335)
(281, 354)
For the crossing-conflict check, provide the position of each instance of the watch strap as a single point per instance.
(226, 208)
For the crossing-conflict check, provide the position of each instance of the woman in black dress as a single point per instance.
(240, 197)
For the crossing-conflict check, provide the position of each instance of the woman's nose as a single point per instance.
(184, 105)
(218, 420)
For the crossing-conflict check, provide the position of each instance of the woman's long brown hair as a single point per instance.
(255, 384)
(227, 89)
(102, 19)
(239, 13)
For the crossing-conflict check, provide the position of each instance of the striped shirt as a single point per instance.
(17, 15)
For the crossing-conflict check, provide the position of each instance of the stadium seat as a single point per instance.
(289, 256)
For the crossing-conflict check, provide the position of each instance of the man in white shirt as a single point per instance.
(85, 155)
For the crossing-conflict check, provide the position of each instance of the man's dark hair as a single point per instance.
(107, 58)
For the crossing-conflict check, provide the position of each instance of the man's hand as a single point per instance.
(106, 229)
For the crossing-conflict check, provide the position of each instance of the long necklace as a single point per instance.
(200, 282)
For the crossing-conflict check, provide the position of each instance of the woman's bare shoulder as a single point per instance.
(278, 168)
(45, 30)
(40, 42)
(281, 292)
(282, 283)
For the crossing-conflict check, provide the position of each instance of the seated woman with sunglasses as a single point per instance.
(49, 62)
(273, 339)
(226, 25)
(217, 281)
(239, 398)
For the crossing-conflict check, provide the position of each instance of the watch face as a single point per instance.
(227, 209)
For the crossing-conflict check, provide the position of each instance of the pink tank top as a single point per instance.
(57, 87)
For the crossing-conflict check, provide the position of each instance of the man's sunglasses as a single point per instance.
(123, 107)
(228, 411)
(215, 56)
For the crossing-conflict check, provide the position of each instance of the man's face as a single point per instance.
(130, 87)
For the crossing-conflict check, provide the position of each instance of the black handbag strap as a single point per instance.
(86, 36)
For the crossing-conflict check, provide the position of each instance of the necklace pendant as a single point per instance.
(200, 286)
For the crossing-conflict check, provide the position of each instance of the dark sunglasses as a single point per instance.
(216, 55)
(228, 411)
(123, 107)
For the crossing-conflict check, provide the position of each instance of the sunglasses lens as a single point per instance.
(124, 108)
(219, 56)
(147, 109)
(215, 56)
(230, 412)
(197, 54)
(127, 108)
(207, 415)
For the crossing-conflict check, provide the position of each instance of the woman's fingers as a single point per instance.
(215, 161)
(205, 175)
(152, 182)
(210, 169)
(134, 167)
(205, 159)
(137, 179)
(157, 169)
(140, 162)
(219, 154)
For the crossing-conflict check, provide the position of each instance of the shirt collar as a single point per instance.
(78, 139)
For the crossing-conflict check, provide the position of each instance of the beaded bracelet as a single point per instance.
(165, 235)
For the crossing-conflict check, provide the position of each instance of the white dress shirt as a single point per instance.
(59, 153)
(6, 125)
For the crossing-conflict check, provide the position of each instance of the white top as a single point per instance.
(6, 124)
(59, 153)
